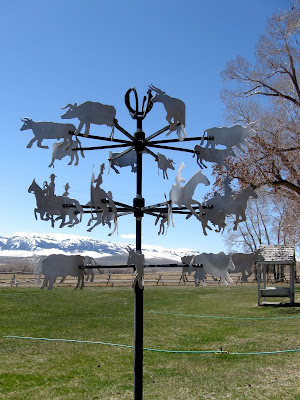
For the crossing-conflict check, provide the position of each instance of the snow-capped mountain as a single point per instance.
(27, 244)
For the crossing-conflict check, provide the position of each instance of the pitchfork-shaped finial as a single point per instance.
(135, 114)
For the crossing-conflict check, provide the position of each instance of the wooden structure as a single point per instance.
(275, 255)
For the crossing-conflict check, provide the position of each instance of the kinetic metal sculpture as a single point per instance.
(105, 211)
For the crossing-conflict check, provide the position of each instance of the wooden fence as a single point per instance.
(163, 278)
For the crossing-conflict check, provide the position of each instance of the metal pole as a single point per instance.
(138, 292)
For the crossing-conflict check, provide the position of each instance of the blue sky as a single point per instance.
(59, 52)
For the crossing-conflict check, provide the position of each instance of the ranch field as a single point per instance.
(182, 318)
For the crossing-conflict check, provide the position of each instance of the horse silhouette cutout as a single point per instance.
(229, 205)
(103, 201)
(50, 205)
(183, 195)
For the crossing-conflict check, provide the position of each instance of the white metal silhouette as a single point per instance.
(90, 113)
(66, 192)
(59, 152)
(235, 135)
(138, 260)
(49, 205)
(186, 260)
(217, 265)
(175, 109)
(103, 201)
(212, 155)
(60, 265)
(229, 205)
(126, 160)
(244, 263)
(89, 273)
(47, 130)
(183, 195)
(163, 220)
(164, 163)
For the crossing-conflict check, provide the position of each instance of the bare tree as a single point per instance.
(267, 94)
(270, 220)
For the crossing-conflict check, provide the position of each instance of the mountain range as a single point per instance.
(26, 244)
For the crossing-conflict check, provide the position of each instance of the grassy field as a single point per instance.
(175, 318)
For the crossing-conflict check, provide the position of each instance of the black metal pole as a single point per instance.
(138, 292)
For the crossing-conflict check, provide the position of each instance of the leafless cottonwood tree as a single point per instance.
(270, 220)
(268, 95)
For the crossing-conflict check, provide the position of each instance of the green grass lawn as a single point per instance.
(175, 318)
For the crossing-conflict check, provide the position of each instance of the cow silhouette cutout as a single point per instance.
(235, 135)
(91, 113)
(216, 265)
(126, 160)
(47, 130)
(164, 164)
(60, 265)
(59, 152)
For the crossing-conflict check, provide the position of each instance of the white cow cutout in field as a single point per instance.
(89, 273)
(47, 130)
(175, 109)
(216, 265)
(37, 267)
(59, 152)
(186, 260)
(60, 265)
(138, 260)
(235, 135)
(91, 113)
(244, 263)
(183, 195)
